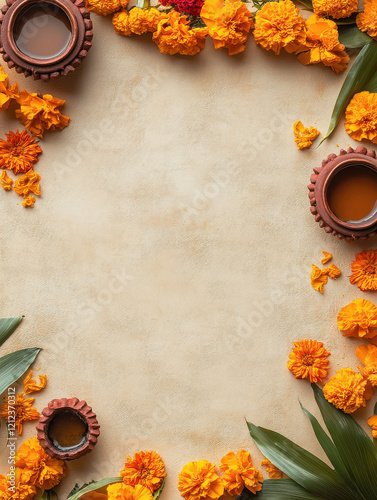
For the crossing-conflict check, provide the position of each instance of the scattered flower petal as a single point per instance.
(304, 137)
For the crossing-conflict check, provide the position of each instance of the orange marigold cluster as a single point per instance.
(279, 25)
(137, 21)
(364, 270)
(146, 468)
(21, 491)
(304, 137)
(336, 9)
(322, 45)
(359, 319)
(228, 23)
(19, 152)
(308, 359)
(346, 390)
(105, 7)
(361, 117)
(199, 481)
(239, 473)
(174, 36)
(367, 20)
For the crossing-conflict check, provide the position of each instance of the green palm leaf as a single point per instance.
(303, 467)
(352, 37)
(77, 494)
(358, 77)
(7, 327)
(158, 492)
(353, 444)
(280, 489)
(14, 365)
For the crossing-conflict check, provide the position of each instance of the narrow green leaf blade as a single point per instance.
(14, 365)
(307, 3)
(352, 37)
(158, 492)
(371, 86)
(355, 447)
(356, 80)
(7, 327)
(347, 20)
(94, 486)
(280, 489)
(303, 467)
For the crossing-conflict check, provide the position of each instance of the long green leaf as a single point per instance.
(352, 37)
(14, 365)
(303, 467)
(158, 492)
(7, 327)
(355, 447)
(356, 80)
(280, 489)
(94, 486)
(307, 3)
(371, 86)
(347, 20)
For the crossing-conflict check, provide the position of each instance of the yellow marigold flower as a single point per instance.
(368, 356)
(322, 45)
(144, 20)
(346, 390)
(146, 468)
(19, 152)
(105, 7)
(372, 421)
(279, 25)
(28, 183)
(37, 468)
(121, 23)
(361, 117)
(308, 359)
(327, 257)
(364, 270)
(20, 411)
(272, 471)
(174, 36)
(304, 137)
(367, 20)
(199, 481)
(21, 492)
(358, 319)
(6, 93)
(335, 8)
(38, 114)
(228, 24)
(5, 181)
(318, 278)
(120, 491)
(239, 472)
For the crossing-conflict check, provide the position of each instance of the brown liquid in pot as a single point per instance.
(67, 430)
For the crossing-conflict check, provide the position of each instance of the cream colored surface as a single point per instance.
(165, 271)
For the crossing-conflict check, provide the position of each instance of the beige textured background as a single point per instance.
(165, 270)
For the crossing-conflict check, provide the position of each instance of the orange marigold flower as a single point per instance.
(38, 114)
(364, 270)
(5, 181)
(21, 491)
(372, 421)
(335, 8)
(308, 359)
(272, 471)
(144, 20)
(121, 23)
(327, 257)
(174, 36)
(358, 319)
(37, 468)
(19, 152)
(199, 481)
(318, 278)
(30, 385)
(346, 390)
(228, 24)
(361, 117)
(367, 20)
(146, 468)
(28, 183)
(322, 45)
(279, 25)
(94, 495)
(6, 93)
(304, 137)
(121, 491)
(20, 411)
(239, 472)
(368, 356)
(105, 7)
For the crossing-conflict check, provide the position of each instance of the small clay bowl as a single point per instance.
(68, 59)
(74, 410)
(319, 183)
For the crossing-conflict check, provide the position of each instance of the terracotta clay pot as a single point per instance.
(319, 183)
(74, 409)
(44, 69)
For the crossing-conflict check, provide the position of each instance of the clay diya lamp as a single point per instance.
(343, 194)
(45, 38)
(68, 429)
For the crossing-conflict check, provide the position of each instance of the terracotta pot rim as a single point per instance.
(13, 17)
